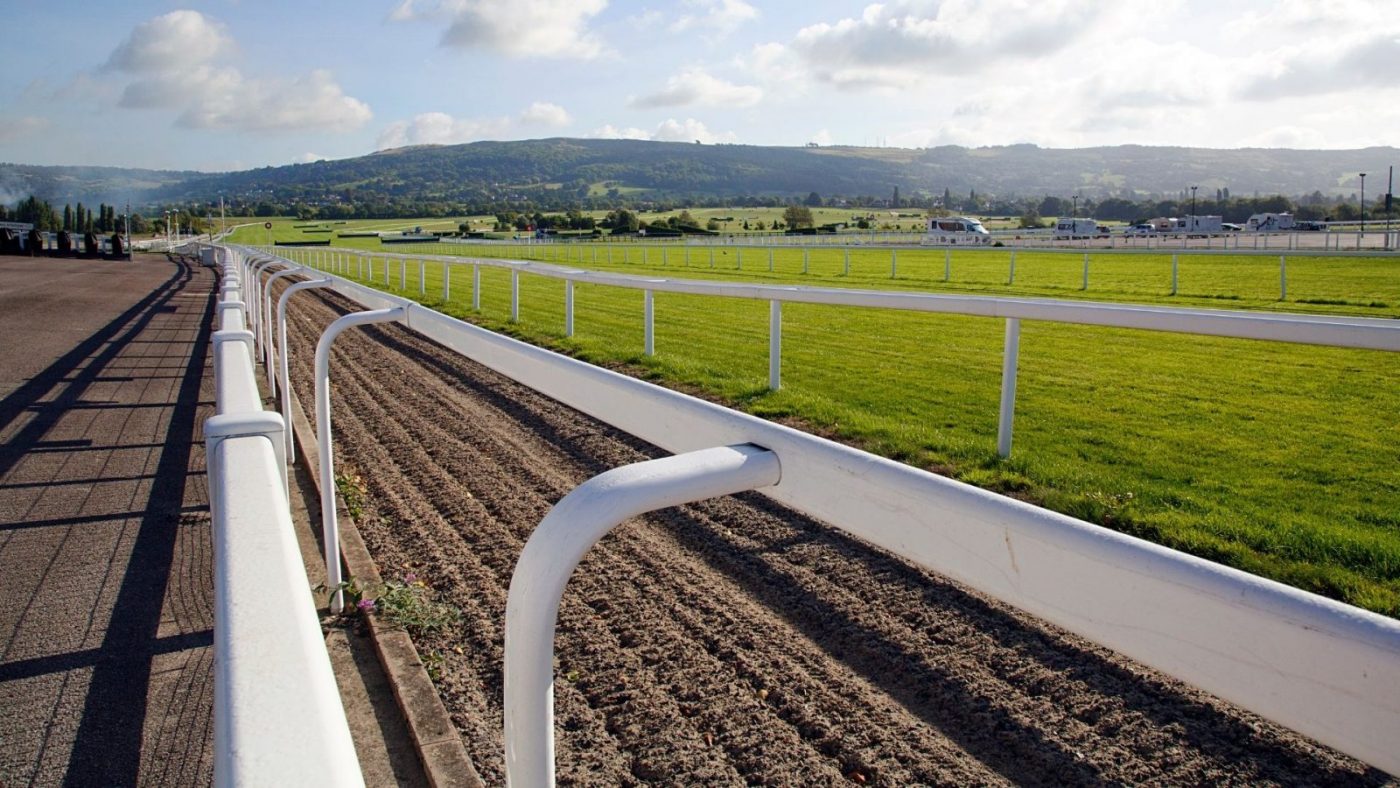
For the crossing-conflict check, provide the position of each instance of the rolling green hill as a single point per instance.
(568, 171)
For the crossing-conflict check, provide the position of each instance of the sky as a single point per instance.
(238, 84)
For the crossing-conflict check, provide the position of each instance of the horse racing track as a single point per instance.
(734, 641)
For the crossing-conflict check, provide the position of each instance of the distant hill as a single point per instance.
(563, 171)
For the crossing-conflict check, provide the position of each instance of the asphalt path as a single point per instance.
(106, 571)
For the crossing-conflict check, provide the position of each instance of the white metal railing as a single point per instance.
(1347, 332)
(278, 718)
(1328, 670)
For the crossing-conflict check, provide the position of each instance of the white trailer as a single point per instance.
(1075, 229)
(954, 230)
(1269, 222)
(1199, 225)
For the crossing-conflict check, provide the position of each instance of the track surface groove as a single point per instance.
(733, 641)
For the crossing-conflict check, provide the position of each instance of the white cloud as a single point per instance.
(669, 130)
(176, 41)
(439, 128)
(896, 42)
(1367, 62)
(611, 132)
(689, 130)
(822, 137)
(719, 16)
(543, 113)
(308, 158)
(12, 129)
(175, 60)
(518, 28)
(698, 87)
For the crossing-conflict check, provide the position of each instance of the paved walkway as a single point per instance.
(106, 576)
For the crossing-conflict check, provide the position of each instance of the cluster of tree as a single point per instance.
(81, 219)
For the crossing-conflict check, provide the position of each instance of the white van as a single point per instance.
(1075, 229)
(954, 230)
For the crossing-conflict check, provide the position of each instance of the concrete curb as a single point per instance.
(440, 749)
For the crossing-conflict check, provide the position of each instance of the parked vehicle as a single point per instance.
(1199, 225)
(1231, 228)
(1270, 222)
(1139, 229)
(1074, 229)
(954, 230)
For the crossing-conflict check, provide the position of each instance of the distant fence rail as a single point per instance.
(1335, 331)
(1320, 667)
(278, 719)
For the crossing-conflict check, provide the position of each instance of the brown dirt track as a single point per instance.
(735, 642)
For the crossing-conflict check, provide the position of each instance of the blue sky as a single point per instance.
(239, 84)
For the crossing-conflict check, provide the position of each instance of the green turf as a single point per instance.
(1277, 459)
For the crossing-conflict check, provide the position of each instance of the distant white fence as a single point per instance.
(278, 719)
(1325, 669)
(1336, 331)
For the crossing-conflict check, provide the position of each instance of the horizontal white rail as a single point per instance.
(278, 719)
(1337, 331)
(278, 716)
(1320, 667)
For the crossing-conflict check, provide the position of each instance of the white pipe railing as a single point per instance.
(554, 549)
(1323, 668)
(330, 523)
(278, 718)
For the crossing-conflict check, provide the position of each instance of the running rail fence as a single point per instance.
(278, 718)
(1320, 667)
(1348, 332)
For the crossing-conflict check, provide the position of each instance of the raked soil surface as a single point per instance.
(734, 642)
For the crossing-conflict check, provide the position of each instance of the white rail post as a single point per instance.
(1011, 274)
(261, 423)
(515, 296)
(284, 368)
(770, 259)
(268, 322)
(1173, 274)
(330, 525)
(649, 330)
(1085, 286)
(894, 263)
(403, 275)
(386, 272)
(687, 255)
(422, 277)
(775, 345)
(446, 281)
(804, 259)
(947, 264)
(1283, 277)
(568, 307)
(555, 548)
(739, 252)
(846, 263)
(476, 288)
(1008, 386)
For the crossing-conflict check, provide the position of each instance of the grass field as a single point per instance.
(1277, 459)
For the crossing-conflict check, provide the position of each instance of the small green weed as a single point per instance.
(353, 491)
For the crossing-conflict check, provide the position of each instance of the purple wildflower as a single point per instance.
(366, 605)
(410, 578)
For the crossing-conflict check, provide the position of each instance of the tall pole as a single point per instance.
(1363, 202)
(1389, 203)
(1192, 224)
(1075, 209)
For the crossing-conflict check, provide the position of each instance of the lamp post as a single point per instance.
(1075, 210)
(1193, 204)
